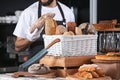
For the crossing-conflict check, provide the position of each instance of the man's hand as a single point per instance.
(33, 36)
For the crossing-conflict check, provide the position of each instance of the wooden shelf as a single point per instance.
(112, 29)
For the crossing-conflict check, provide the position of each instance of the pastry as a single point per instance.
(109, 56)
(94, 74)
(100, 72)
(90, 71)
(39, 69)
(86, 74)
(40, 22)
(87, 67)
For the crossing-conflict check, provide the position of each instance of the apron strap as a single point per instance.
(59, 7)
(39, 10)
(61, 11)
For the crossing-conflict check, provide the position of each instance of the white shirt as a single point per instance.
(30, 15)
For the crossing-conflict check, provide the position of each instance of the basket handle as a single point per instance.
(53, 42)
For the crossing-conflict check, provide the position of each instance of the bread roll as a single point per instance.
(39, 69)
(100, 72)
(94, 74)
(40, 22)
(71, 26)
(86, 75)
(60, 29)
(50, 26)
(78, 31)
(66, 33)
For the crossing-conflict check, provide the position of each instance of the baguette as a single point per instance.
(40, 22)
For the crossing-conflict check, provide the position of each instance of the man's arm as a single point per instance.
(21, 44)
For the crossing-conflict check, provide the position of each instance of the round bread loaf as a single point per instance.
(68, 33)
(60, 29)
(39, 69)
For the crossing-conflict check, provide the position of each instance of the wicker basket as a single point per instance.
(78, 45)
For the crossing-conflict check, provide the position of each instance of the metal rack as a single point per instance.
(108, 40)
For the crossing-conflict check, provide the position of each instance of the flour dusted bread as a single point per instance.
(40, 22)
(60, 29)
(50, 26)
(39, 69)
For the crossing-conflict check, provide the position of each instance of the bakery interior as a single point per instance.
(102, 14)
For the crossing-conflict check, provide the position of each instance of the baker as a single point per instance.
(34, 42)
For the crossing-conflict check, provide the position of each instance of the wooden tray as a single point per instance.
(71, 61)
(27, 74)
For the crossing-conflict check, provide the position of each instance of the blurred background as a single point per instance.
(10, 11)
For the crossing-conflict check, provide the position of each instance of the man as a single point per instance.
(34, 41)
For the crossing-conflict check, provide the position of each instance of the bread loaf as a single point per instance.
(71, 26)
(60, 29)
(50, 26)
(39, 69)
(66, 33)
(40, 22)
(78, 31)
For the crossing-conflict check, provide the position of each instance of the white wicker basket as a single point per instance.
(78, 45)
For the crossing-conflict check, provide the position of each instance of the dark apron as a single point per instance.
(39, 44)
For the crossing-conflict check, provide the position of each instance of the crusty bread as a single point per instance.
(38, 69)
(60, 29)
(66, 33)
(71, 26)
(50, 26)
(78, 31)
